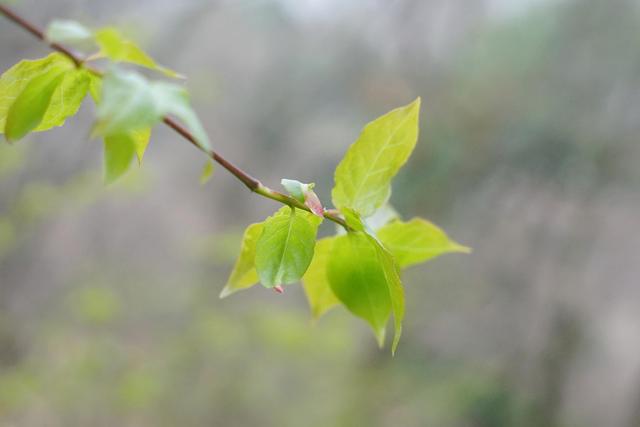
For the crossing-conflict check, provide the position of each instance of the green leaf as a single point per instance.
(70, 33)
(15, 79)
(95, 87)
(119, 150)
(365, 278)
(119, 49)
(285, 249)
(416, 241)
(66, 100)
(244, 274)
(363, 177)
(207, 173)
(358, 280)
(128, 102)
(141, 139)
(396, 292)
(353, 219)
(29, 108)
(316, 284)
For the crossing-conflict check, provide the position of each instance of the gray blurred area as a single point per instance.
(109, 309)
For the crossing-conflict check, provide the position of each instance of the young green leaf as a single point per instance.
(66, 99)
(363, 177)
(95, 87)
(417, 241)
(358, 280)
(316, 284)
(29, 108)
(285, 249)
(244, 273)
(70, 33)
(353, 219)
(304, 193)
(141, 139)
(15, 79)
(295, 188)
(119, 150)
(207, 173)
(119, 49)
(128, 102)
(394, 285)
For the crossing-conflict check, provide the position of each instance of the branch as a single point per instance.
(250, 182)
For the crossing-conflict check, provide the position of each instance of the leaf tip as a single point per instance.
(396, 341)
(456, 247)
(207, 173)
(226, 291)
(380, 336)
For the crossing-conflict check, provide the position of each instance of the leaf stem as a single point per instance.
(249, 181)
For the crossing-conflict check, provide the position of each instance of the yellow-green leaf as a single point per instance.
(316, 284)
(353, 219)
(416, 241)
(120, 49)
(95, 87)
(66, 99)
(244, 274)
(285, 248)
(15, 79)
(363, 177)
(119, 150)
(29, 108)
(396, 292)
(141, 139)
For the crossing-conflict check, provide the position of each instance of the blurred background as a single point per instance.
(109, 309)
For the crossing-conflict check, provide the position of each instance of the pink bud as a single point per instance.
(279, 289)
(313, 202)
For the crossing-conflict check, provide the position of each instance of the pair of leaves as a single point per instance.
(275, 252)
(361, 272)
(109, 42)
(37, 95)
(355, 269)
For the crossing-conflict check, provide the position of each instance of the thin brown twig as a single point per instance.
(249, 181)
